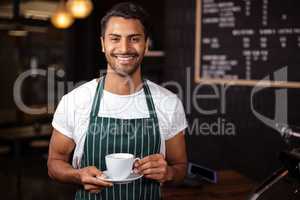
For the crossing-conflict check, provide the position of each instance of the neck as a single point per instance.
(121, 85)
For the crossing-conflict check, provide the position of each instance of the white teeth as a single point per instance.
(125, 58)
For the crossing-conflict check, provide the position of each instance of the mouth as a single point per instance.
(125, 59)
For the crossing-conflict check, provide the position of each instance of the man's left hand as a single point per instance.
(154, 167)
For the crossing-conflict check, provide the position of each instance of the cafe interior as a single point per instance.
(232, 63)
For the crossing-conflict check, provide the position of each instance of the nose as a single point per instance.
(124, 46)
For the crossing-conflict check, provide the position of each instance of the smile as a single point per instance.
(125, 58)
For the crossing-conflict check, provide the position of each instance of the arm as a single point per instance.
(59, 169)
(60, 150)
(173, 168)
(176, 158)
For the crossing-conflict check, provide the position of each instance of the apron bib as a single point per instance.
(140, 137)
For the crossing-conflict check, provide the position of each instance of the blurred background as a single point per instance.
(253, 38)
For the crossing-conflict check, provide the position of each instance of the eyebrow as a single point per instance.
(117, 35)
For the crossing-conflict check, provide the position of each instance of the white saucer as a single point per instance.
(133, 176)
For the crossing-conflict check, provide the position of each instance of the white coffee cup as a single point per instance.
(119, 165)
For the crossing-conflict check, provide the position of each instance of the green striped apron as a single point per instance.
(140, 137)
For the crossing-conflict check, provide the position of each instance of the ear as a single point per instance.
(102, 44)
(147, 45)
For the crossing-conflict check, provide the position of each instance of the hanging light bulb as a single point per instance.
(61, 18)
(80, 8)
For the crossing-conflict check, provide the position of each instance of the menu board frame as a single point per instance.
(198, 79)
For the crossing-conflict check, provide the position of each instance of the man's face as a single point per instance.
(124, 45)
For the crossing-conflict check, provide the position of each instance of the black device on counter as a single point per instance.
(197, 174)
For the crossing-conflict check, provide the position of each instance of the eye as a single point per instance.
(135, 39)
(114, 39)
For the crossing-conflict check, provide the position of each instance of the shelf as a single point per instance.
(155, 54)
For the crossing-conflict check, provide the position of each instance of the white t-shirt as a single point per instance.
(71, 117)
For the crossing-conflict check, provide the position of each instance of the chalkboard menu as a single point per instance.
(246, 41)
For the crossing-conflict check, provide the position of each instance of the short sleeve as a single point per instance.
(178, 120)
(63, 118)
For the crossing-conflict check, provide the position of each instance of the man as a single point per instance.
(120, 112)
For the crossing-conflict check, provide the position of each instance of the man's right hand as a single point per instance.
(88, 178)
(59, 169)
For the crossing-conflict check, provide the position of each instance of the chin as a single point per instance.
(125, 72)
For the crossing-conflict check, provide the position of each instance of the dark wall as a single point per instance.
(82, 50)
(8, 70)
(253, 148)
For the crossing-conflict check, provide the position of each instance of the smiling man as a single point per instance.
(119, 113)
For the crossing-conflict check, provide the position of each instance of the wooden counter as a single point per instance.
(231, 186)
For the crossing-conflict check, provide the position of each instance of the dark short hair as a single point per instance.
(127, 10)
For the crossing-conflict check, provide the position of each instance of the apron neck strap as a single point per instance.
(149, 100)
(97, 97)
(99, 93)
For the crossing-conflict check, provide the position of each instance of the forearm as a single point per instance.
(176, 173)
(62, 171)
